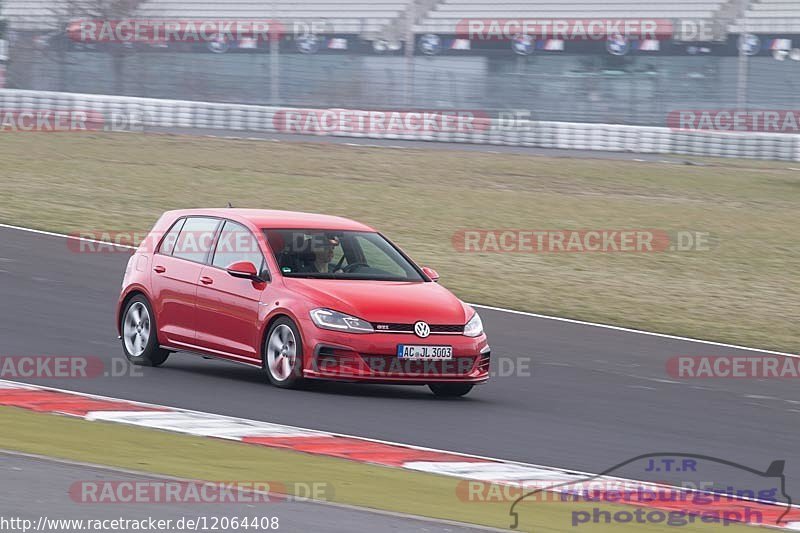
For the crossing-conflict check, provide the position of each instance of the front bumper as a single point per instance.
(372, 357)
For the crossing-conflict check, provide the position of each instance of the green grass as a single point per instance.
(352, 483)
(745, 290)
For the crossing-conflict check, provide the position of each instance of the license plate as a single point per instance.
(413, 352)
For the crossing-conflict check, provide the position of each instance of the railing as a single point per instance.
(148, 113)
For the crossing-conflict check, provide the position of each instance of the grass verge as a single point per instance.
(744, 290)
(353, 483)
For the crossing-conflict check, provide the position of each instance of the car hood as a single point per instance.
(384, 301)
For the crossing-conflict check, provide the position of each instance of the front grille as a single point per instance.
(447, 329)
(392, 365)
(441, 329)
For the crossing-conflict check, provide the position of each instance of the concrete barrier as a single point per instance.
(142, 113)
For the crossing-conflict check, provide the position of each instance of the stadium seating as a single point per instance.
(30, 14)
(343, 16)
(770, 16)
(375, 17)
(444, 17)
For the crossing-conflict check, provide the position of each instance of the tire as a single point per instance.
(450, 390)
(139, 334)
(283, 354)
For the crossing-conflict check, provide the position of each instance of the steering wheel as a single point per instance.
(351, 267)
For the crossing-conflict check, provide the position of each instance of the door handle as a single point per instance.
(159, 269)
(205, 280)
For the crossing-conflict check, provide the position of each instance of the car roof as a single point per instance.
(276, 219)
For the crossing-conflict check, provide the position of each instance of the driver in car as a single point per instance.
(322, 248)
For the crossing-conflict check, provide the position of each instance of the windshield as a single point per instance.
(302, 253)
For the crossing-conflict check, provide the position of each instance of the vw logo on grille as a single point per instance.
(422, 329)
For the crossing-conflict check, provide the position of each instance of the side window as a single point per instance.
(236, 243)
(196, 239)
(377, 258)
(168, 244)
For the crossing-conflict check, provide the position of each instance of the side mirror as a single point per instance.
(244, 270)
(431, 273)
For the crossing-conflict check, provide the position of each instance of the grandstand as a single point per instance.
(30, 14)
(770, 16)
(444, 16)
(365, 18)
(374, 18)
(340, 16)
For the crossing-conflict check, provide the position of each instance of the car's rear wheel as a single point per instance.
(450, 390)
(139, 337)
(283, 354)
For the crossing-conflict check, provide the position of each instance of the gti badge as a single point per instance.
(422, 329)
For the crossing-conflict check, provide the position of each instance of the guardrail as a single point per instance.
(142, 113)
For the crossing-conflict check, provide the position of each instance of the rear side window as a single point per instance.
(196, 239)
(236, 243)
(168, 244)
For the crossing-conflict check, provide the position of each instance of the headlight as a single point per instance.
(474, 327)
(328, 319)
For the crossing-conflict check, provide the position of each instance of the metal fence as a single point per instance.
(637, 90)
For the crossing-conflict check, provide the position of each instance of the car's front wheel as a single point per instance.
(139, 337)
(450, 390)
(283, 354)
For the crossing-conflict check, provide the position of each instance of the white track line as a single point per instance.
(61, 235)
(298, 428)
(500, 309)
(391, 443)
(327, 503)
(630, 330)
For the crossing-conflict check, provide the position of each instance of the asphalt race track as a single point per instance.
(596, 397)
(47, 487)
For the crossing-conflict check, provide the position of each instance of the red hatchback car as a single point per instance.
(302, 296)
